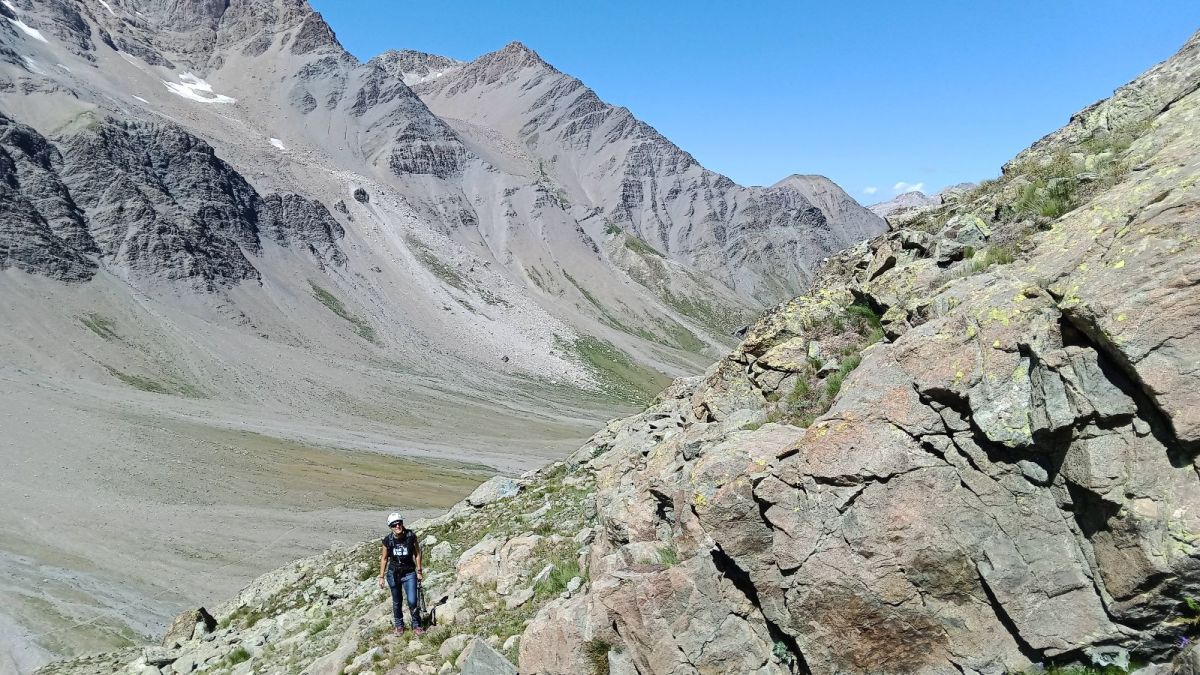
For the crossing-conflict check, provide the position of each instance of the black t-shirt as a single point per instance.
(401, 551)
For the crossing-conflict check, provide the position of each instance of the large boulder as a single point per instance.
(479, 658)
(494, 489)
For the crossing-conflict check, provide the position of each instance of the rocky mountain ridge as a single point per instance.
(619, 171)
(971, 447)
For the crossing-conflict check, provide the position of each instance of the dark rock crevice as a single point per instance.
(1116, 365)
(1027, 650)
(741, 580)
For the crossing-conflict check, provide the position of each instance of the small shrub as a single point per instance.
(782, 654)
(866, 321)
(833, 385)
(318, 626)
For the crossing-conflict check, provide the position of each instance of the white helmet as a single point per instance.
(395, 518)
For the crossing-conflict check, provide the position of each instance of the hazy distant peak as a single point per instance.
(904, 201)
(838, 206)
(798, 180)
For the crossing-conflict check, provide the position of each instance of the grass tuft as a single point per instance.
(596, 652)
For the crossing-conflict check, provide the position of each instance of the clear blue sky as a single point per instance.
(869, 93)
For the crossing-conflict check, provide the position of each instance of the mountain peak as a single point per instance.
(805, 179)
(414, 67)
(513, 56)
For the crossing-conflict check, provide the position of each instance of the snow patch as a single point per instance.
(196, 89)
(108, 7)
(63, 67)
(141, 99)
(33, 65)
(413, 79)
(31, 32)
(278, 143)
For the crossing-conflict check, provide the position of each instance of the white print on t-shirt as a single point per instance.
(400, 550)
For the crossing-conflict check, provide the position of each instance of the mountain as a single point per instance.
(255, 284)
(616, 171)
(903, 202)
(971, 447)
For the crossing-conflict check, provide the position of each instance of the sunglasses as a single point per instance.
(397, 524)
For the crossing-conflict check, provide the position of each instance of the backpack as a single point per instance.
(428, 614)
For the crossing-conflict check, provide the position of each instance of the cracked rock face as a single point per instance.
(43, 230)
(1009, 479)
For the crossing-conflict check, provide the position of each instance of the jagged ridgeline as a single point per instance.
(971, 447)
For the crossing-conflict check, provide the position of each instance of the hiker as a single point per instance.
(400, 566)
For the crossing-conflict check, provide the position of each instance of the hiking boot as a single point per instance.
(419, 631)
(399, 630)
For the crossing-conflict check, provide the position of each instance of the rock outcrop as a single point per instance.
(43, 231)
(148, 201)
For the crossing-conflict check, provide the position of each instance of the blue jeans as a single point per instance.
(407, 582)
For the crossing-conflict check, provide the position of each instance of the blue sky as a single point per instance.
(882, 94)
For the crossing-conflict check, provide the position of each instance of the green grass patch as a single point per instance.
(618, 373)
(590, 298)
(100, 325)
(640, 247)
(244, 617)
(684, 338)
(140, 382)
(667, 555)
(434, 264)
(811, 396)
(360, 326)
(992, 255)
(862, 315)
(556, 582)
(155, 386)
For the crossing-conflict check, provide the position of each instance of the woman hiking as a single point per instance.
(400, 566)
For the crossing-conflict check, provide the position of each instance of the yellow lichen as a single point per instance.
(1020, 373)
